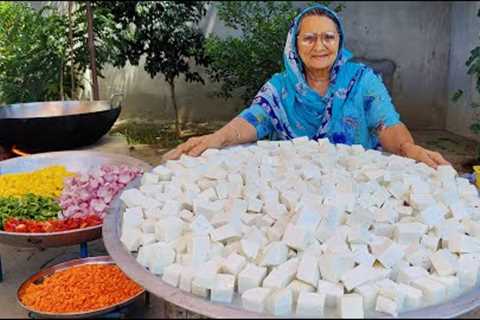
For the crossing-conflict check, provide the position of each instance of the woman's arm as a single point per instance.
(235, 132)
(398, 140)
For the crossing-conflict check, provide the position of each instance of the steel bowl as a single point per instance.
(39, 276)
(56, 125)
(78, 161)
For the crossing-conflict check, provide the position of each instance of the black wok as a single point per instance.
(56, 125)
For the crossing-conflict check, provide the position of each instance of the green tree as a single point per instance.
(166, 34)
(245, 63)
(37, 60)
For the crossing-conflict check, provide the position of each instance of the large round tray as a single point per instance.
(78, 161)
(66, 265)
(459, 306)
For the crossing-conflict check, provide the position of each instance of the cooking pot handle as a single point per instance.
(113, 99)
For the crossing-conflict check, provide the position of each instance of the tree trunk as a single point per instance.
(91, 49)
(178, 132)
(62, 67)
(70, 38)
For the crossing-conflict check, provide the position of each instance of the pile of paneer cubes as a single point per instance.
(307, 228)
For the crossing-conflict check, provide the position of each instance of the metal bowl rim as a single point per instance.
(67, 265)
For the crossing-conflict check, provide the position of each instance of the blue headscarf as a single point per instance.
(288, 98)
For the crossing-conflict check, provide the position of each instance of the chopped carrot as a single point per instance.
(80, 289)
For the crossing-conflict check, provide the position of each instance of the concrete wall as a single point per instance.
(464, 36)
(415, 37)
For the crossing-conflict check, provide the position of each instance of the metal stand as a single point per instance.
(83, 250)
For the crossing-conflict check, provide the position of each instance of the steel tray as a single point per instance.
(78, 161)
(453, 308)
(66, 265)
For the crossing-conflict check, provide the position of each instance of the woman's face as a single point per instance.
(317, 42)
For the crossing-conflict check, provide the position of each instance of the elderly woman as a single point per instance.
(319, 94)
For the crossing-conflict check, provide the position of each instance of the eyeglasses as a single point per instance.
(328, 38)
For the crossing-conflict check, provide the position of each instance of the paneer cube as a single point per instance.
(255, 299)
(333, 292)
(223, 289)
(280, 302)
(311, 304)
(351, 306)
(251, 277)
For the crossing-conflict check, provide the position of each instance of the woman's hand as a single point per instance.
(416, 152)
(195, 146)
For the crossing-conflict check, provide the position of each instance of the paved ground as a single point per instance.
(21, 263)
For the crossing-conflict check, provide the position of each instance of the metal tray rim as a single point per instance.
(66, 265)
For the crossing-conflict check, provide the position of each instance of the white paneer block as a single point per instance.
(467, 273)
(451, 283)
(162, 256)
(249, 248)
(282, 275)
(199, 290)
(387, 305)
(334, 266)
(169, 228)
(351, 306)
(444, 262)
(413, 297)
(433, 215)
(164, 174)
(148, 238)
(433, 291)
(234, 263)
(333, 292)
(200, 249)
(311, 304)
(362, 256)
(461, 243)
(275, 254)
(406, 233)
(223, 290)
(419, 258)
(308, 270)
(250, 277)
(149, 178)
(144, 254)
(206, 275)
(360, 275)
(132, 217)
(297, 237)
(280, 302)
(132, 197)
(409, 274)
(186, 278)
(131, 239)
(171, 274)
(430, 242)
(255, 299)
(201, 226)
(299, 286)
(225, 232)
(148, 226)
(390, 255)
(369, 292)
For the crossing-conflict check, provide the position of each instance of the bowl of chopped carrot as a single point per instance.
(78, 288)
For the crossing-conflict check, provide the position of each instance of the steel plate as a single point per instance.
(78, 161)
(66, 265)
(453, 308)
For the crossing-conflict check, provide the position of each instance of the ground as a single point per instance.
(21, 263)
